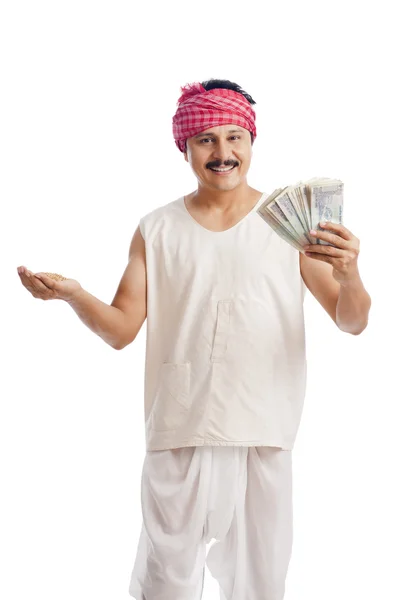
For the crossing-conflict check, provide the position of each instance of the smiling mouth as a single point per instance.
(222, 169)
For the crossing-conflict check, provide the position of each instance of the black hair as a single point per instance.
(225, 84)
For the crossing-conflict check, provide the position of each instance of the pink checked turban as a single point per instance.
(199, 109)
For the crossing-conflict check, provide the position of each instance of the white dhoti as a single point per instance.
(239, 496)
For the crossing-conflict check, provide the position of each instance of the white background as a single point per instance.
(88, 93)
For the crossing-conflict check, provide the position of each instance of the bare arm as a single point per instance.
(353, 307)
(131, 295)
(348, 304)
(103, 319)
(332, 275)
(119, 323)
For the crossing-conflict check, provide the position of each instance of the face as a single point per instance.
(226, 147)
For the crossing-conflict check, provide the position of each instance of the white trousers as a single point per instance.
(239, 496)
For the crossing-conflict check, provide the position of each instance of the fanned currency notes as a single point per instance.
(294, 210)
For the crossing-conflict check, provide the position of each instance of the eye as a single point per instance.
(233, 137)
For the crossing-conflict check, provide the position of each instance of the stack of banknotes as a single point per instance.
(294, 210)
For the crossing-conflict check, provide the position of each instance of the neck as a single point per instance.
(225, 200)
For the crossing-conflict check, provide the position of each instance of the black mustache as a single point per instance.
(217, 165)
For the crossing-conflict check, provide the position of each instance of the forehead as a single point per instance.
(221, 130)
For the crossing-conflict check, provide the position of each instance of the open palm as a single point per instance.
(44, 287)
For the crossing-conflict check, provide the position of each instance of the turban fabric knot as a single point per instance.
(199, 109)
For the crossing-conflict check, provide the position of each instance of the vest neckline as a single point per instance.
(185, 209)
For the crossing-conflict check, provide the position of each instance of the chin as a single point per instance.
(226, 188)
(227, 185)
(224, 183)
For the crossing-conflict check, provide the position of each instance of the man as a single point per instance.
(225, 369)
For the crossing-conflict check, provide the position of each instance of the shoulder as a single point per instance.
(149, 220)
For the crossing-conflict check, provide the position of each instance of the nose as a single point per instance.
(222, 150)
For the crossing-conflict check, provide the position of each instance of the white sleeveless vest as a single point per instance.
(225, 352)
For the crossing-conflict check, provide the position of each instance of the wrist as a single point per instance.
(75, 296)
(353, 281)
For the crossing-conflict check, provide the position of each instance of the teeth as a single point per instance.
(225, 169)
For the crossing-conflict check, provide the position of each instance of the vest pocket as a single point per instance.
(171, 402)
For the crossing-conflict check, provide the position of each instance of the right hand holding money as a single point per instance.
(49, 286)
